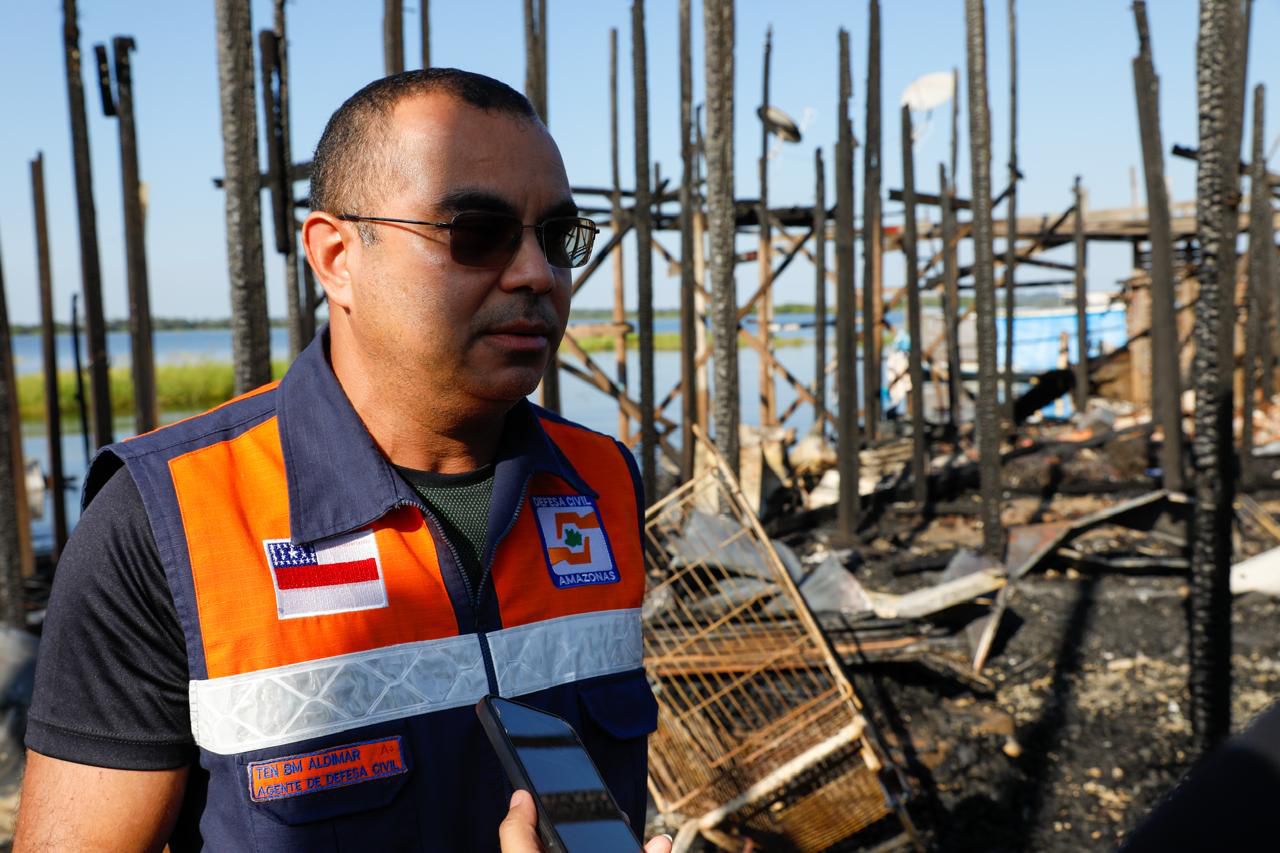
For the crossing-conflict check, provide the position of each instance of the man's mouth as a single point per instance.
(521, 334)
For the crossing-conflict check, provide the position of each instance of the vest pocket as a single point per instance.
(339, 792)
(619, 713)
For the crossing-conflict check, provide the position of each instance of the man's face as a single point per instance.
(468, 336)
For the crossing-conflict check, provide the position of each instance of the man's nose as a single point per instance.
(529, 269)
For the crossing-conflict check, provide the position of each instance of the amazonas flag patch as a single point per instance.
(334, 576)
(574, 541)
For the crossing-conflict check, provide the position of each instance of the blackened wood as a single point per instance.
(849, 436)
(90, 270)
(950, 300)
(643, 217)
(250, 332)
(718, 30)
(392, 37)
(872, 231)
(615, 227)
(1011, 248)
(535, 89)
(104, 80)
(14, 526)
(1209, 606)
(988, 419)
(919, 451)
(820, 289)
(1082, 304)
(426, 32)
(688, 283)
(1166, 378)
(142, 356)
(1261, 248)
(49, 355)
(764, 256)
(82, 404)
(301, 330)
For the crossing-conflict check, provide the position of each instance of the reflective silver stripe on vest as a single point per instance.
(287, 704)
(271, 707)
(543, 654)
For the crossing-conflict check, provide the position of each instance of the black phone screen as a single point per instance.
(573, 796)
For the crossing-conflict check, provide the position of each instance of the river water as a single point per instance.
(1036, 338)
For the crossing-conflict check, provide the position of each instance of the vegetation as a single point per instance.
(197, 386)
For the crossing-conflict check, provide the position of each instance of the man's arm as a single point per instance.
(68, 806)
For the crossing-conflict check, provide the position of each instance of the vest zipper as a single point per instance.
(490, 673)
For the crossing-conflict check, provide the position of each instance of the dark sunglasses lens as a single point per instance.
(484, 239)
(567, 241)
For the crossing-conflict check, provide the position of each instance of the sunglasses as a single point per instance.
(491, 240)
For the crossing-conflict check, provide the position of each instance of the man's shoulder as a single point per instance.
(223, 421)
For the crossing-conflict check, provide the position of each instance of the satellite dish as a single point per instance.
(779, 124)
(929, 91)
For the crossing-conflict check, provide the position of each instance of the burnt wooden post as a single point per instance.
(49, 353)
(14, 528)
(688, 283)
(820, 292)
(300, 330)
(849, 438)
(1011, 227)
(1261, 249)
(872, 232)
(535, 88)
(919, 453)
(1166, 378)
(718, 29)
(250, 332)
(142, 359)
(82, 405)
(615, 226)
(1209, 606)
(950, 299)
(1082, 303)
(644, 253)
(984, 278)
(764, 256)
(392, 37)
(91, 272)
(426, 32)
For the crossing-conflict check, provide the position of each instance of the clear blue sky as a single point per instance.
(1076, 112)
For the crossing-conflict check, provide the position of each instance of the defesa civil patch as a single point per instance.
(350, 764)
(574, 541)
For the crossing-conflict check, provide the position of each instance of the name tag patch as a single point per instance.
(294, 775)
(574, 541)
(335, 576)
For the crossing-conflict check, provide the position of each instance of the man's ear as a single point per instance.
(328, 243)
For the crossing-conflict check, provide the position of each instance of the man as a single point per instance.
(275, 618)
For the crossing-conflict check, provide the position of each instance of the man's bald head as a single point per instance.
(356, 159)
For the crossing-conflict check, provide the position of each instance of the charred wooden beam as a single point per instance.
(1217, 189)
(1011, 241)
(820, 288)
(919, 450)
(87, 217)
(301, 326)
(1082, 305)
(1262, 252)
(950, 301)
(764, 255)
(616, 226)
(426, 32)
(849, 436)
(392, 37)
(984, 278)
(644, 255)
(718, 28)
(1166, 377)
(688, 282)
(49, 356)
(873, 228)
(14, 526)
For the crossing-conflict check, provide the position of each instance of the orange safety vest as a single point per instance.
(335, 646)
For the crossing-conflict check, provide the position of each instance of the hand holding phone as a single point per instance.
(542, 754)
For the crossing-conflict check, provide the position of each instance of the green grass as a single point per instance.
(197, 386)
(179, 388)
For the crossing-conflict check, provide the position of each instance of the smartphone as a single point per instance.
(542, 754)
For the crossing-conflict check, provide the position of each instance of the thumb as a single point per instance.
(518, 832)
(659, 844)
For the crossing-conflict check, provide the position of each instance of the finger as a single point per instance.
(518, 832)
(659, 844)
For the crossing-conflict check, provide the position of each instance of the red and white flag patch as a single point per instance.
(337, 575)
